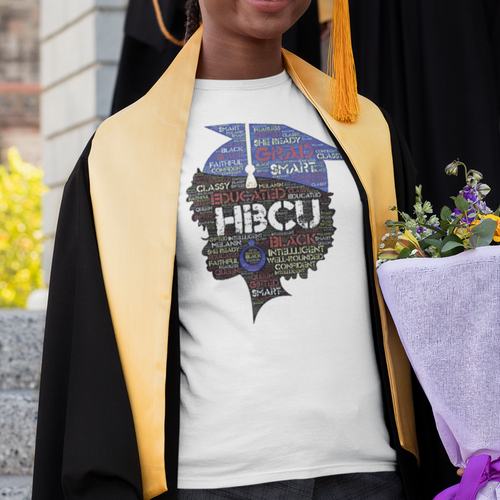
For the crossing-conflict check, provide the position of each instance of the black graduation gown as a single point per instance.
(435, 67)
(86, 446)
(146, 53)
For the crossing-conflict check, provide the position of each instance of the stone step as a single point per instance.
(21, 340)
(18, 414)
(15, 487)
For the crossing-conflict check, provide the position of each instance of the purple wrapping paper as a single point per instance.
(447, 313)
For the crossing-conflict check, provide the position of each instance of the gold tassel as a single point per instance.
(162, 26)
(342, 90)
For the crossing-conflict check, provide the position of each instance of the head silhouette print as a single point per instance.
(275, 228)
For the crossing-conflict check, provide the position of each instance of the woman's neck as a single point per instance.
(244, 59)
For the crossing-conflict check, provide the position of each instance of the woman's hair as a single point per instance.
(193, 20)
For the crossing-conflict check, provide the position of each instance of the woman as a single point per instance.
(238, 173)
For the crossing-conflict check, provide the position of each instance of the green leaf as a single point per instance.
(485, 228)
(446, 213)
(451, 245)
(404, 254)
(483, 232)
(432, 241)
(461, 203)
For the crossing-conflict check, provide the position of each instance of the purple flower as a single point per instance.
(471, 215)
(470, 194)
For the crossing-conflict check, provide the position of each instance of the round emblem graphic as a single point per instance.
(252, 257)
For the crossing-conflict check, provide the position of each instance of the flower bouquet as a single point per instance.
(447, 313)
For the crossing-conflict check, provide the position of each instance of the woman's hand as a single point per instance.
(460, 472)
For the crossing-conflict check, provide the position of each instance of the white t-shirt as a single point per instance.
(279, 378)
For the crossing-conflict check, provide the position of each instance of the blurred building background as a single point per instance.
(58, 64)
(19, 79)
(80, 43)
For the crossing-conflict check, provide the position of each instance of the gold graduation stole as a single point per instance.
(134, 168)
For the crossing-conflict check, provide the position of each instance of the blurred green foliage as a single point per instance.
(21, 191)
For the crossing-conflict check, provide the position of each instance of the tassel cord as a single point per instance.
(162, 26)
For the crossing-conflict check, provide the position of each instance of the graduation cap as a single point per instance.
(342, 87)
